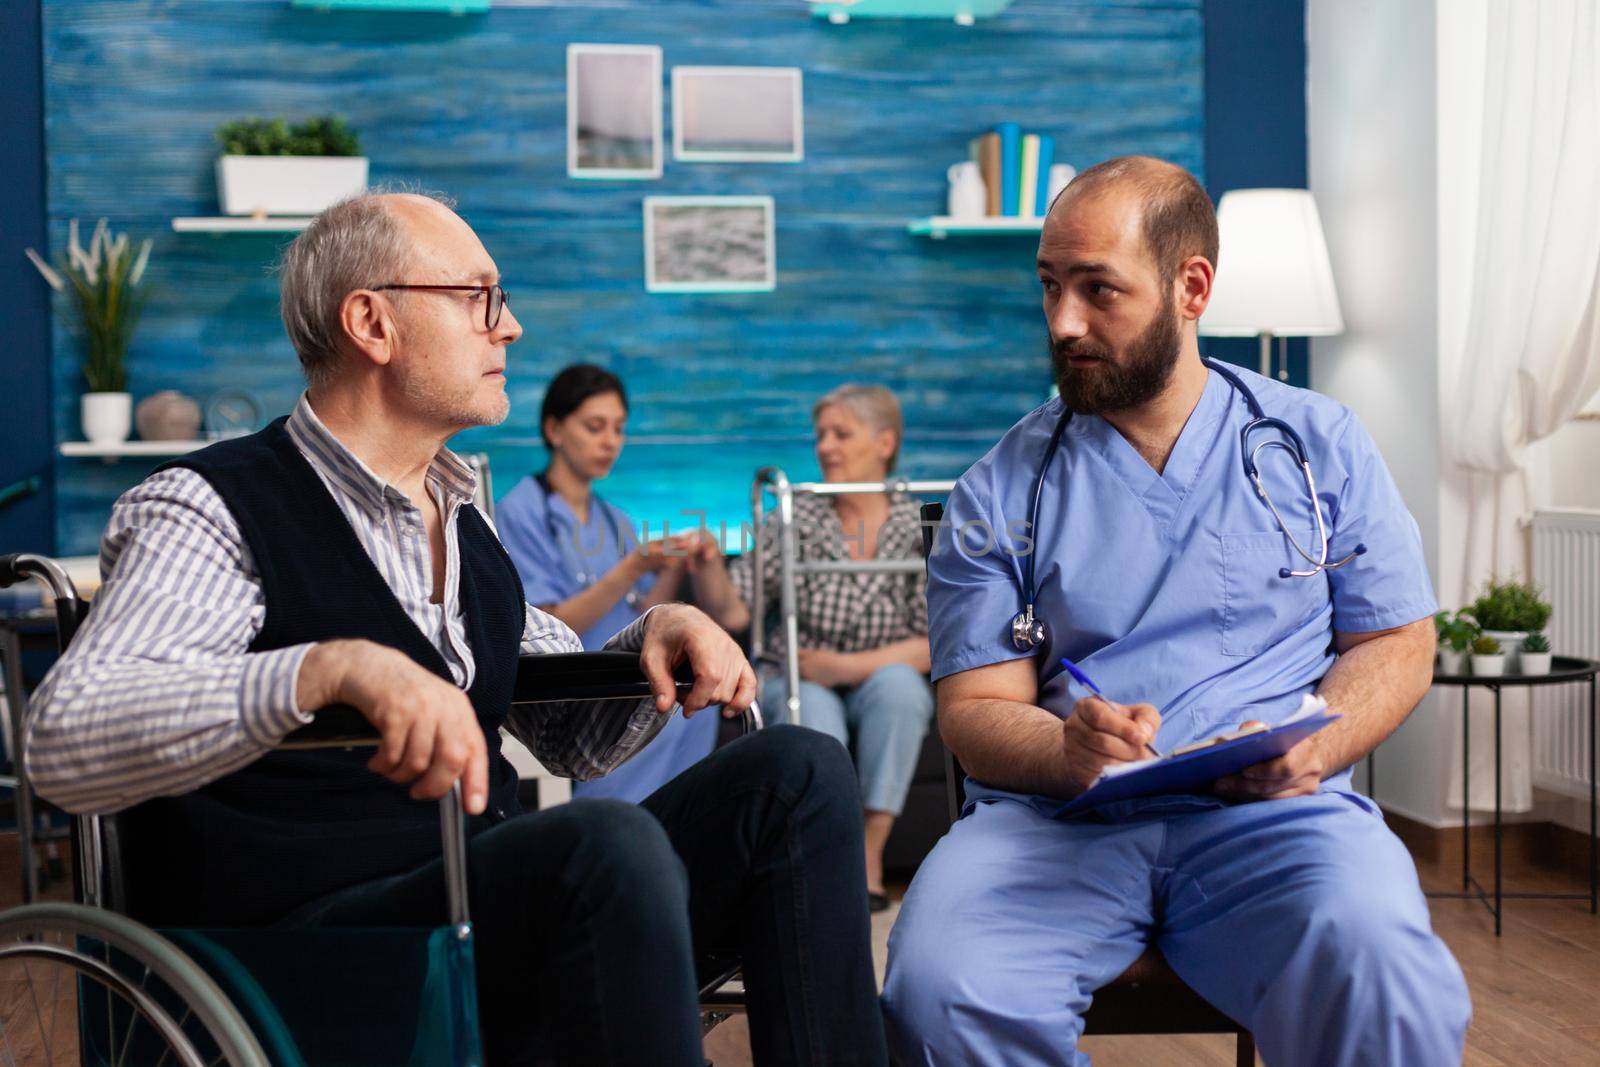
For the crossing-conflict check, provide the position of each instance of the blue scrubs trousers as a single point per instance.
(1300, 918)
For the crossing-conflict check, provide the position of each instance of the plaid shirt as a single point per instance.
(158, 694)
(843, 612)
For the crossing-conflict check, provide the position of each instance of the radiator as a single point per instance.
(1566, 563)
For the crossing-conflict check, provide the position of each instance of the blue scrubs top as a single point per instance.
(1164, 587)
(557, 556)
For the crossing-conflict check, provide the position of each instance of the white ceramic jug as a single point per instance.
(1060, 175)
(968, 197)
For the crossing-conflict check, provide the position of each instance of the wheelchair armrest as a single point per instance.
(335, 726)
(541, 679)
(557, 676)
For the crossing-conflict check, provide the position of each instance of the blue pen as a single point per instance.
(1088, 683)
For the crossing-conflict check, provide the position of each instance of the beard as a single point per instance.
(1117, 384)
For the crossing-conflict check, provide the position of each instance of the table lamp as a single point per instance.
(1273, 276)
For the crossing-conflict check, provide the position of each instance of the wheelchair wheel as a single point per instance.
(84, 987)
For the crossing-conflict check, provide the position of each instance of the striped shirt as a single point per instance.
(158, 694)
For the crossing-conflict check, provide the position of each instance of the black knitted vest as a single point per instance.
(294, 826)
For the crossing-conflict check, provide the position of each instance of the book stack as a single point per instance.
(1016, 170)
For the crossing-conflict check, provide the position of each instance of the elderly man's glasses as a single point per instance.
(495, 298)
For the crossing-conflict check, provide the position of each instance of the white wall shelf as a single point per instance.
(127, 449)
(449, 7)
(241, 224)
(941, 226)
(964, 12)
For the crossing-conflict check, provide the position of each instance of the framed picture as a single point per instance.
(709, 244)
(613, 111)
(737, 115)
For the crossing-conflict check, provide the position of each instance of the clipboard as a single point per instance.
(1193, 768)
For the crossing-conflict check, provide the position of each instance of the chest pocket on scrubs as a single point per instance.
(1259, 608)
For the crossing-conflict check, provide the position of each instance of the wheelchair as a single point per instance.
(83, 984)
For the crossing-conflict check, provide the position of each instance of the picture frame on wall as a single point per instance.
(738, 114)
(710, 244)
(614, 111)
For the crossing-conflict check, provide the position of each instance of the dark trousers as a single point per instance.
(592, 917)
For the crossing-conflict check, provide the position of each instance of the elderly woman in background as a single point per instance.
(863, 636)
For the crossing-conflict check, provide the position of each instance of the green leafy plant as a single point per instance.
(1510, 606)
(326, 135)
(105, 286)
(1483, 645)
(1456, 630)
(1536, 643)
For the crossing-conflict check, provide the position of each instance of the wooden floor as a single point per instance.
(1535, 990)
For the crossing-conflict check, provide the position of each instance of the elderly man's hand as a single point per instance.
(677, 633)
(1296, 773)
(1099, 732)
(429, 732)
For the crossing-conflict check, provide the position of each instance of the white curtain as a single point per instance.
(1519, 176)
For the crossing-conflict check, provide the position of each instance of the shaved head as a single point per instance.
(1176, 218)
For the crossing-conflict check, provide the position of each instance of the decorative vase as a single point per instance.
(287, 185)
(1489, 666)
(1511, 646)
(1452, 662)
(107, 417)
(968, 196)
(167, 416)
(1061, 175)
(1534, 662)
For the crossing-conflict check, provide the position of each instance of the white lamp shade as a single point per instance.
(1273, 275)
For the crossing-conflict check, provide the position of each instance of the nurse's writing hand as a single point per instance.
(677, 633)
(1099, 732)
(1296, 773)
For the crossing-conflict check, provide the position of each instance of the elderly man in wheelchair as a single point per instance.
(335, 558)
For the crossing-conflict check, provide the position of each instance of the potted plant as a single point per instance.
(1456, 633)
(104, 283)
(1535, 655)
(268, 167)
(1509, 612)
(1488, 660)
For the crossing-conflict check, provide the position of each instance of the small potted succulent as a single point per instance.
(105, 287)
(1456, 633)
(268, 167)
(1488, 661)
(1535, 655)
(1509, 612)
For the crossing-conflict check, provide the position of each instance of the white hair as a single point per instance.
(874, 405)
(357, 243)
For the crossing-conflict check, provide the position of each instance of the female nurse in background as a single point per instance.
(580, 560)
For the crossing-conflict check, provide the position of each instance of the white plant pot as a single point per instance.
(107, 417)
(1534, 663)
(1489, 666)
(1511, 646)
(287, 185)
(1452, 662)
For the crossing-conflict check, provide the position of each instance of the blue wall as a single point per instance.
(475, 106)
(26, 440)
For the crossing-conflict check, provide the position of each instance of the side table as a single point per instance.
(1564, 670)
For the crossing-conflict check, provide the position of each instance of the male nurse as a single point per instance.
(1279, 895)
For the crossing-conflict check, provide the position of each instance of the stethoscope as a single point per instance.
(1028, 632)
(584, 578)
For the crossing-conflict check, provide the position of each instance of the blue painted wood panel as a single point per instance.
(475, 106)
